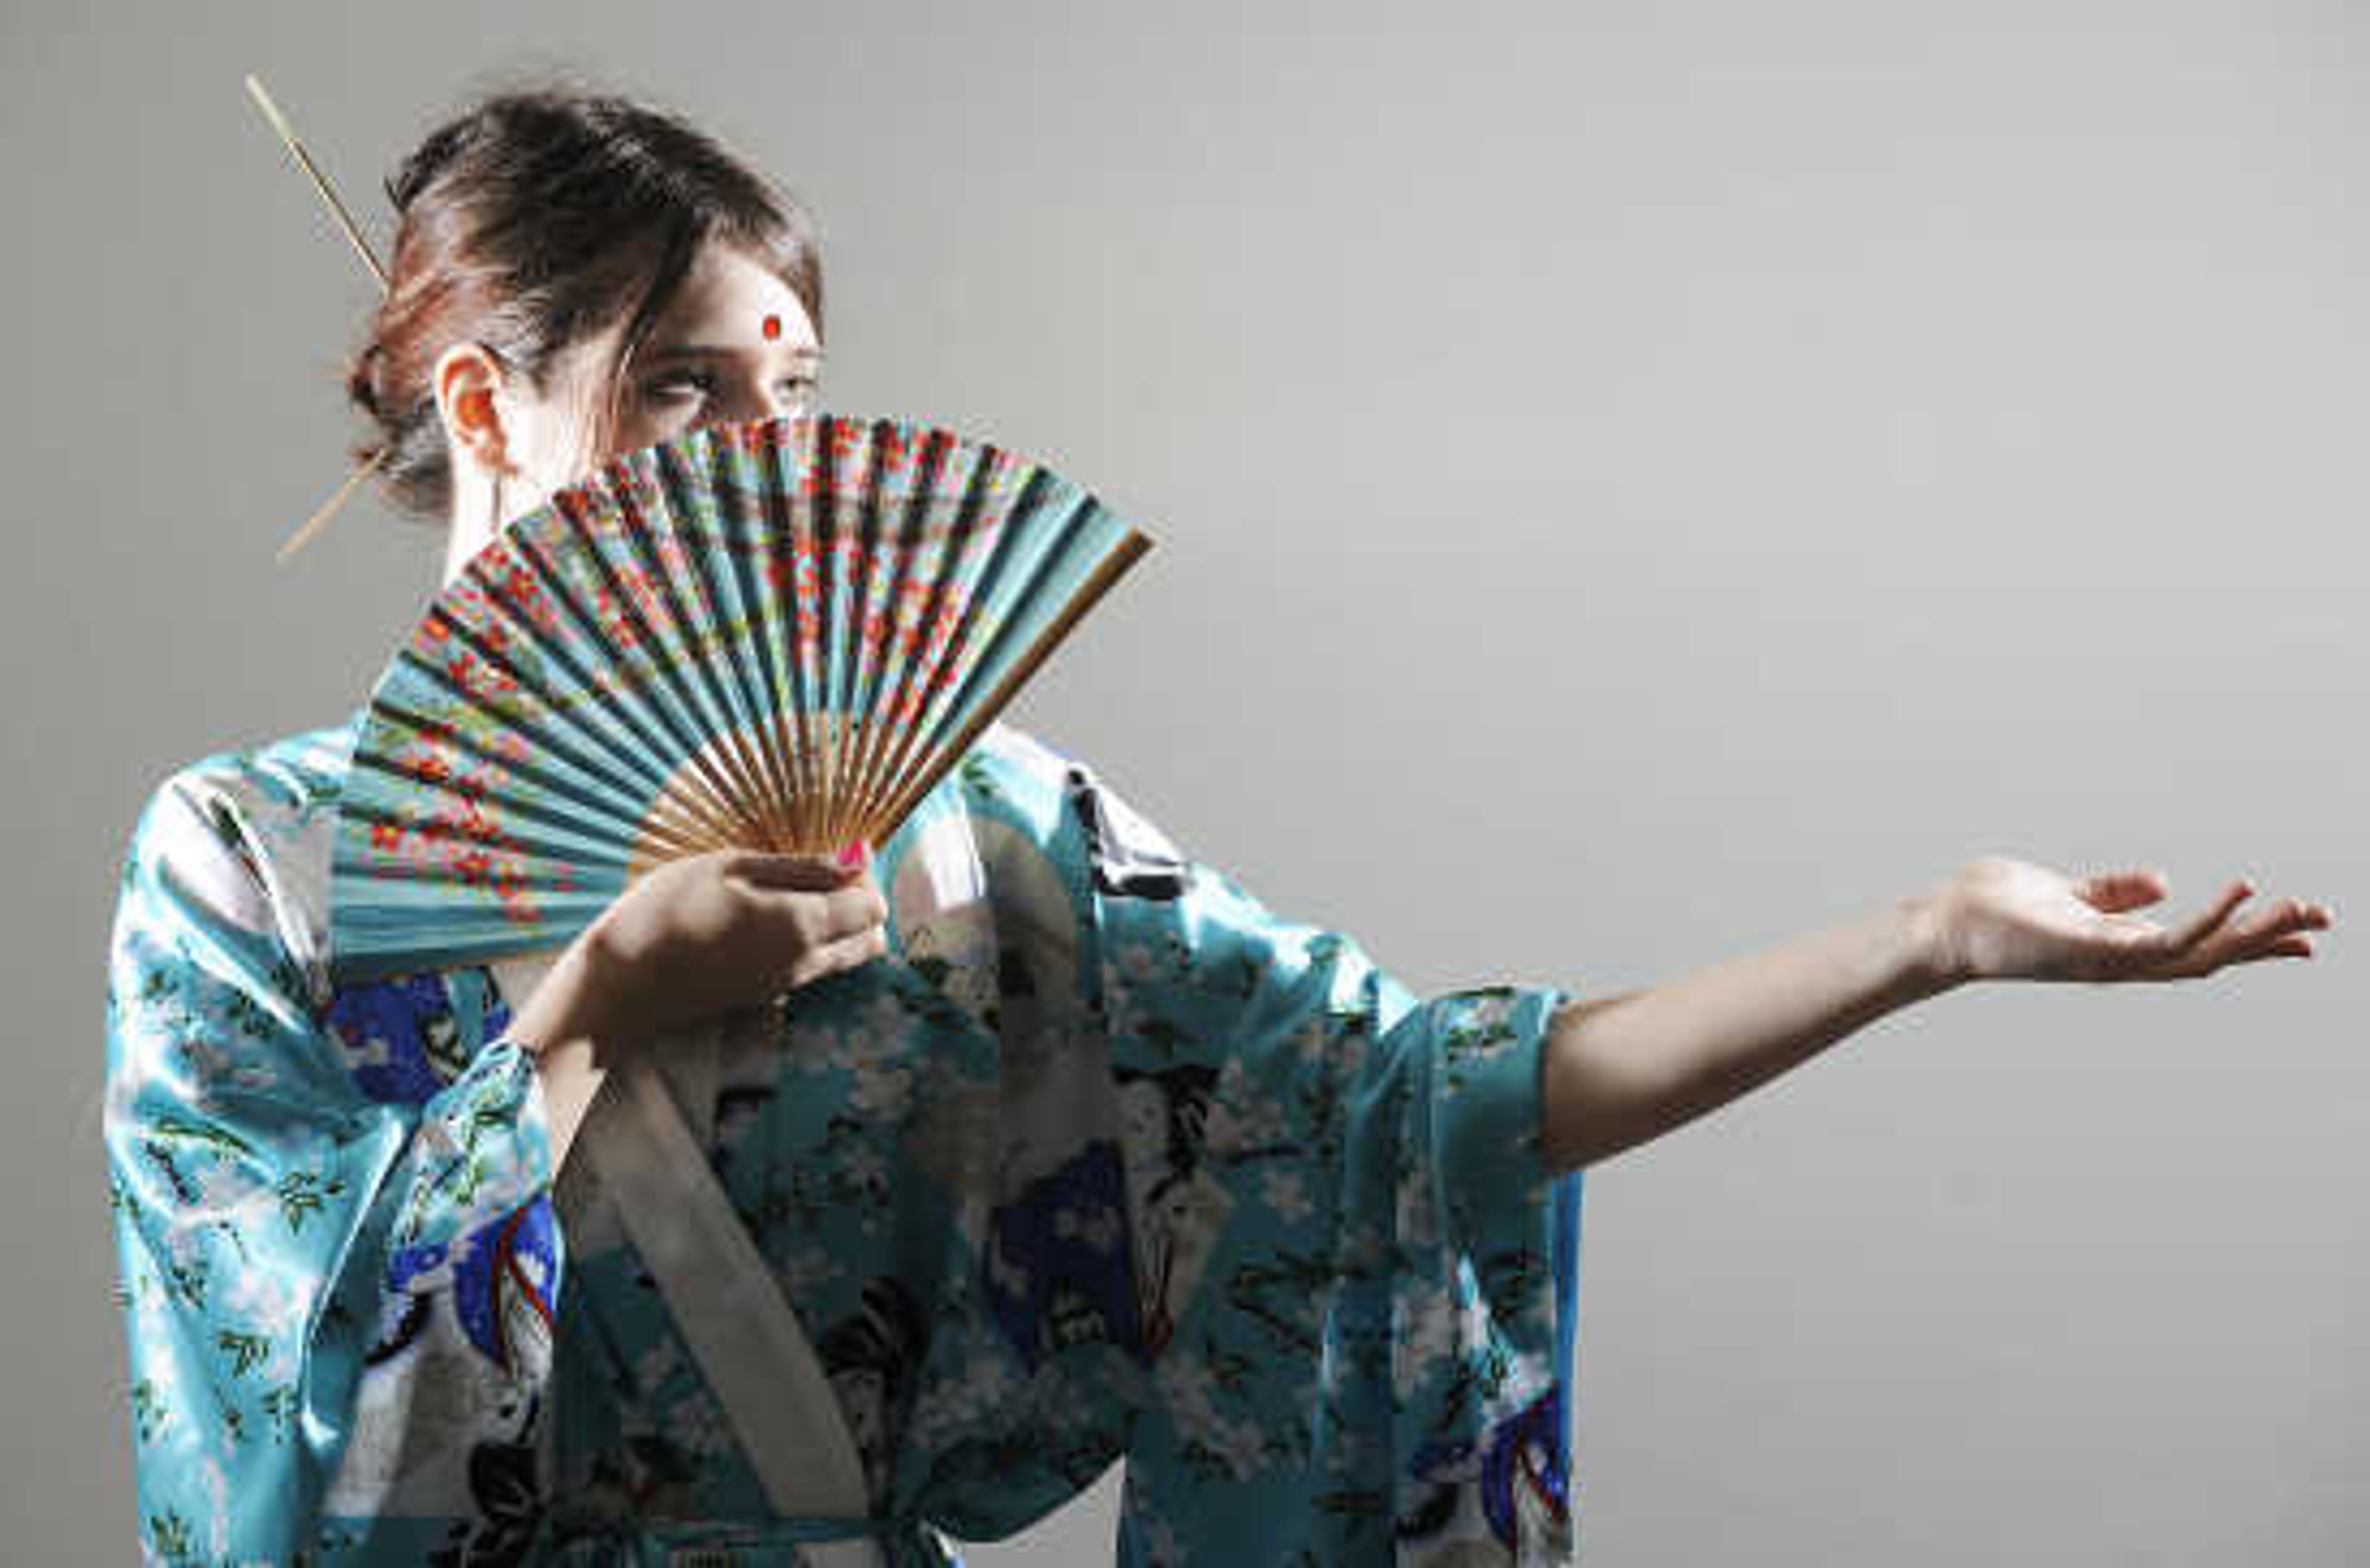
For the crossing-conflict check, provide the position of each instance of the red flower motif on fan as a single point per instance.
(614, 622)
(643, 589)
(943, 627)
(521, 588)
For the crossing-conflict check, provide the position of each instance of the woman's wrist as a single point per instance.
(565, 1005)
(1935, 958)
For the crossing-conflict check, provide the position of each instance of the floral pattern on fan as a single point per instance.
(776, 635)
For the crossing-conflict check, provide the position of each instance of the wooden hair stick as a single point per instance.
(320, 181)
(362, 247)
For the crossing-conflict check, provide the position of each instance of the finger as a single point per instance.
(2285, 919)
(846, 953)
(799, 873)
(2115, 890)
(2206, 923)
(2302, 916)
(2286, 947)
(820, 917)
(2277, 933)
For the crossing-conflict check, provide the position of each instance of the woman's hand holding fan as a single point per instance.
(705, 935)
(723, 930)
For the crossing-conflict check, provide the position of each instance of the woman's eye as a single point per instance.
(677, 383)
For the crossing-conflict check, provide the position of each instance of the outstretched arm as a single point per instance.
(1625, 1069)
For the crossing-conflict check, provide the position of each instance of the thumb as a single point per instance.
(2117, 890)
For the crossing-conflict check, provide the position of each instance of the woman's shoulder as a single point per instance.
(1042, 787)
(1121, 851)
(290, 777)
(1008, 746)
(1017, 773)
(245, 831)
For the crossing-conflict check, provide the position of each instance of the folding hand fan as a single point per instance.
(774, 636)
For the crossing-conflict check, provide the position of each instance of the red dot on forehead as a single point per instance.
(773, 326)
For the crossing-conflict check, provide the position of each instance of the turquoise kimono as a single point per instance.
(1104, 1161)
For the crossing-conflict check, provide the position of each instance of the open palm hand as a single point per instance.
(2003, 919)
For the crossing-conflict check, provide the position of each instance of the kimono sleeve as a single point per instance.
(1358, 1273)
(269, 1216)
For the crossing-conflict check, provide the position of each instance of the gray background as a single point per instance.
(1632, 483)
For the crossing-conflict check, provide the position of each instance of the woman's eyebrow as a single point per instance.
(711, 350)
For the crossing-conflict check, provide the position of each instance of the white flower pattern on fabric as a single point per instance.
(1286, 1195)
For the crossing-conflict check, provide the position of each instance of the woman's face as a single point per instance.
(733, 344)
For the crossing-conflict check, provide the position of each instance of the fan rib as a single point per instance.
(730, 620)
(503, 597)
(689, 637)
(793, 560)
(919, 667)
(957, 646)
(847, 541)
(1099, 582)
(740, 511)
(890, 661)
(700, 792)
(391, 715)
(623, 693)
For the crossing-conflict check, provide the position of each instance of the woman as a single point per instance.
(1069, 1151)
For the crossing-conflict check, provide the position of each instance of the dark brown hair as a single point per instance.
(537, 217)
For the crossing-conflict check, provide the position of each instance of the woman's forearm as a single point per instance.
(556, 1026)
(570, 1074)
(1623, 1071)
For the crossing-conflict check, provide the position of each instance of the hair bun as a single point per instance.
(361, 381)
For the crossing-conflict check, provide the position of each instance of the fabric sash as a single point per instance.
(723, 1297)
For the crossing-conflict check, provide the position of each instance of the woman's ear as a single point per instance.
(470, 398)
